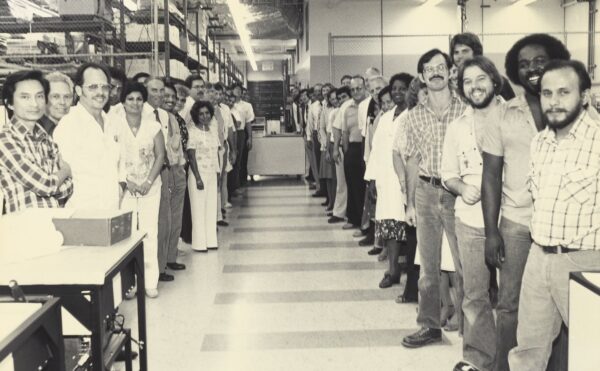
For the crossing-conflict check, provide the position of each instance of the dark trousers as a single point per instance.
(243, 159)
(186, 220)
(234, 178)
(411, 290)
(354, 167)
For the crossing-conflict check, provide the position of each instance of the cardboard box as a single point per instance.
(94, 227)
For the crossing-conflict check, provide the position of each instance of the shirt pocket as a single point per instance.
(578, 185)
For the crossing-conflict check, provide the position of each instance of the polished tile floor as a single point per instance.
(285, 291)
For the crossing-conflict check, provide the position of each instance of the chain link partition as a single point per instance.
(350, 55)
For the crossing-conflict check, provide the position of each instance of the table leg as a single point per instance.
(96, 329)
(141, 306)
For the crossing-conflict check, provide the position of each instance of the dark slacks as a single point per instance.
(354, 167)
(244, 157)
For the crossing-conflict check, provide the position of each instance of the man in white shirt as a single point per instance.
(229, 143)
(245, 112)
(480, 84)
(341, 190)
(89, 142)
(196, 84)
(170, 129)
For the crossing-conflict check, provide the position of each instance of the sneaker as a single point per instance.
(152, 293)
(465, 366)
(423, 337)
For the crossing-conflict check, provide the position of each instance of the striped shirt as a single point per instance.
(564, 181)
(28, 166)
(425, 134)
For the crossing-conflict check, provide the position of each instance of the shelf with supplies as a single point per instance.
(175, 52)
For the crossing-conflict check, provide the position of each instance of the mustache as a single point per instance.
(436, 76)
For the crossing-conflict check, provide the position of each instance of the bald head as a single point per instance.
(156, 92)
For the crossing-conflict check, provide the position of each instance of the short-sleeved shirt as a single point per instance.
(363, 113)
(565, 184)
(137, 153)
(510, 137)
(426, 132)
(337, 123)
(245, 112)
(206, 145)
(332, 116)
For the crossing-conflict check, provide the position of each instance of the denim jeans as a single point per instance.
(544, 304)
(435, 214)
(517, 242)
(479, 348)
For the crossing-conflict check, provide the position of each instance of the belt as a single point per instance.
(431, 180)
(557, 249)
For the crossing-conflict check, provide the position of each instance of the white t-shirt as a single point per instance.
(245, 112)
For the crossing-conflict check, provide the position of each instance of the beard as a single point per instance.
(569, 118)
(483, 104)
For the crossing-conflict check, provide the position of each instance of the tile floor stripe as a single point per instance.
(326, 227)
(281, 215)
(305, 340)
(304, 296)
(301, 267)
(278, 204)
(291, 245)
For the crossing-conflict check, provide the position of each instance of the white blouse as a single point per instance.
(380, 168)
(206, 145)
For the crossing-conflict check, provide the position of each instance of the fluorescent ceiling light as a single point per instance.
(240, 15)
(524, 2)
(432, 2)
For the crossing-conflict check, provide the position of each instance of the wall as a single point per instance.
(422, 26)
(260, 75)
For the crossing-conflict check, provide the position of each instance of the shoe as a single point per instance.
(165, 277)
(152, 293)
(358, 233)
(334, 219)
(401, 299)
(312, 186)
(122, 356)
(367, 241)
(213, 247)
(222, 223)
(319, 194)
(388, 280)
(223, 211)
(130, 294)
(330, 213)
(228, 205)
(348, 226)
(423, 337)
(199, 250)
(181, 252)
(375, 250)
(176, 266)
(465, 366)
(325, 203)
(329, 209)
(383, 255)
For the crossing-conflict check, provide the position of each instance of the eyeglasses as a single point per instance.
(96, 87)
(439, 68)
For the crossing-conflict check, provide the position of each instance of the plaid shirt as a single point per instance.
(28, 163)
(564, 182)
(425, 134)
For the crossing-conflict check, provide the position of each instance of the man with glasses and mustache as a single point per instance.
(89, 142)
(480, 85)
(430, 206)
(505, 146)
(565, 229)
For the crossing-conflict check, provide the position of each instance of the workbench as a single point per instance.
(88, 280)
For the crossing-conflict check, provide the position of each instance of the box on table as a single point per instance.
(94, 227)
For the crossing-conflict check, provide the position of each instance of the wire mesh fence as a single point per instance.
(350, 55)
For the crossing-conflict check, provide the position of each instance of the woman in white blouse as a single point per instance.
(203, 151)
(142, 156)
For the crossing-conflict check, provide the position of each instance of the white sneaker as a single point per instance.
(228, 205)
(152, 293)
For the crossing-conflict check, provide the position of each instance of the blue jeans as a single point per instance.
(435, 214)
(479, 348)
(544, 304)
(517, 242)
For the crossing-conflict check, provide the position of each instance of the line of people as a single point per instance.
(485, 180)
(172, 152)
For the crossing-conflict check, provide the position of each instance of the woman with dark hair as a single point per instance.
(203, 151)
(142, 155)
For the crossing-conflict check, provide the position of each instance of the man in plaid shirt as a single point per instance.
(32, 173)
(565, 227)
(429, 205)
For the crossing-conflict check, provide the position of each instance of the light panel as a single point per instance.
(240, 16)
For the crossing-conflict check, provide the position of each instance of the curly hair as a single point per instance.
(195, 110)
(133, 86)
(554, 47)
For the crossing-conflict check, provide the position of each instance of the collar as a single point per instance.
(21, 129)
(454, 99)
(583, 121)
